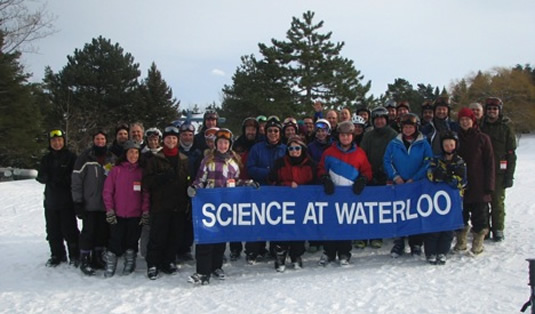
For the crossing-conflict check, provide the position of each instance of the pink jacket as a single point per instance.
(122, 191)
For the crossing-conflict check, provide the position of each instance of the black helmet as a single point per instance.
(403, 103)
(442, 101)
(427, 105)
(390, 104)
(363, 109)
(379, 112)
(449, 135)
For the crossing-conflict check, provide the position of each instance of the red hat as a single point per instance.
(467, 112)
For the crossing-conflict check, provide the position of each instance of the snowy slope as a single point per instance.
(494, 282)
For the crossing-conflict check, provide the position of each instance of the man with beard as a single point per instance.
(121, 136)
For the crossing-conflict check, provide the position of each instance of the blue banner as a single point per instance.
(274, 213)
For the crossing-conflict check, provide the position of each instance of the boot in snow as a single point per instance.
(219, 274)
(129, 262)
(398, 249)
(198, 279)
(74, 254)
(461, 235)
(98, 257)
(111, 264)
(85, 263)
(280, 261)
(477, 243)
(54, 261)
(152, 273)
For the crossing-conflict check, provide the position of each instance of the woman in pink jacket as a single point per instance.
(127, 208)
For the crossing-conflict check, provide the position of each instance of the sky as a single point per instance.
(197, 45)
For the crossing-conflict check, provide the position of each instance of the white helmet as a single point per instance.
(323, 124)
(356, 119)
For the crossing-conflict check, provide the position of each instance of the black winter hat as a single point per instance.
(120, 127)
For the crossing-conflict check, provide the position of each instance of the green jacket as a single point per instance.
(503, 140)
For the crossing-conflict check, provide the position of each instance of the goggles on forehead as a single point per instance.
(56, 133)
(153, 132)
(321, 125)
(224, 133)
(171, 129)
(274, 117)
(187, 127)
(493, 101)
(290, 120)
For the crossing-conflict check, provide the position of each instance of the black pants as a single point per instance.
(255, 249)
(236, 247)
(166, 229)
(209, 257)
(478, 213)
(61, 226)
(124, 235)
(186, 240)
(438, 243)
(340, 248)
(294, 249)
(95, 231)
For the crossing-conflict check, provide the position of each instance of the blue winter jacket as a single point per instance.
(261, 160)
(409, 163)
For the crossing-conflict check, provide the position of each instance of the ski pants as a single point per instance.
(124, 235)
(61, 226)
(95, 231)
(209, 257)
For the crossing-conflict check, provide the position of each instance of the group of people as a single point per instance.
(135, 194)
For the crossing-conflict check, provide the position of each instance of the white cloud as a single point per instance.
(218, 72)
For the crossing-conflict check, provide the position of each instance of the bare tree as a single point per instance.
(22, 26)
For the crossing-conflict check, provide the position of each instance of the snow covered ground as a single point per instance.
(494, 282)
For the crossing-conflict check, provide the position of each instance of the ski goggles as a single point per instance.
(153, 132)
(224, 133)
(187, 127)
(290, 121)
(294, 148)
(211, 133)
(56, 133)
(273, 118)
(493, 101)
(321, 125)
(171, 129)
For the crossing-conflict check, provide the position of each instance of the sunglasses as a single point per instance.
(294, 148)
(56, 133)
(273, 131)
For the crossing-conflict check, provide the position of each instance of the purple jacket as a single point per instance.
(122, 191)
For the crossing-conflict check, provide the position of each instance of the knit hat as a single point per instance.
(99, 131)
(346, 127)
(467, 112)
(296, 139)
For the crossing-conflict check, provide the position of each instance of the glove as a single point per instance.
(253, 184)
(439, 175)
(328, 185)
(507, 182)
(359, 185)
(79, 210)
(144, 219)
(111, 218)
(192, 191)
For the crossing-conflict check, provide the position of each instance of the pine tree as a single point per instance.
(20, 119)
(312, 66)
(158, 107)
(97, 88)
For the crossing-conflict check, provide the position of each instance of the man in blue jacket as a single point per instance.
(260, 161)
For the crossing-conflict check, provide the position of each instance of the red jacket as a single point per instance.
(284, 172)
